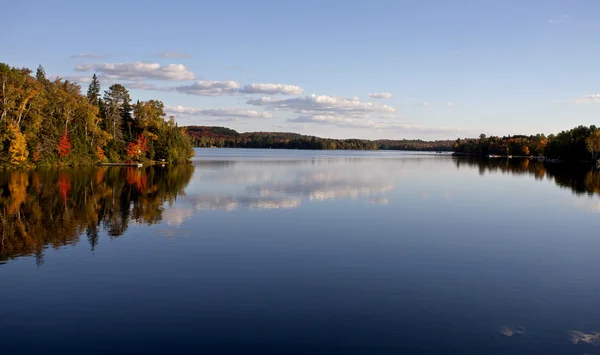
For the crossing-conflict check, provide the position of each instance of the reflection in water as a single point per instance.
(579, 178)
(510, 331)
(384, 255)
(287, 183)
(581, 337)
(232, 203)
(50, 208)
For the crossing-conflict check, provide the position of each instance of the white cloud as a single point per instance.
(89, 56)
(429, 104)
(272, 89)
(209, 88)
(146, 86)
(586, 99)
(358, 123)
(381, 95)
(81, 79)
(322, 105)
(215, 112)
(174, 54)
(139, 71)
(224, 88)
(562, 18)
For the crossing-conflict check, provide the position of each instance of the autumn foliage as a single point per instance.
(138, 148)
(64, 145)
(100, 153)
(49, 123)
(64, 185)
(18, 146)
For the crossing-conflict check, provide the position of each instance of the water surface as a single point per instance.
(271, 252)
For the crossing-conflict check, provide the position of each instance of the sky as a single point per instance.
(429, 69)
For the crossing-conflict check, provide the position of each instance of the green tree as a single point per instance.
(117, 108)
(93, 93)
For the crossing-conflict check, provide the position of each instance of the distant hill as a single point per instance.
(207, 136)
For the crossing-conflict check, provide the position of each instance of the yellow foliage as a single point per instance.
(18, 146)
(18, 190)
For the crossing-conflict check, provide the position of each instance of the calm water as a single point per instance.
(285, 252)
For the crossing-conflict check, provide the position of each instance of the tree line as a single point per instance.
(48, 123)
(578, 144)
(221, 137)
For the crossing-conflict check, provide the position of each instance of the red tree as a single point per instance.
(64, 145)
(138, 148)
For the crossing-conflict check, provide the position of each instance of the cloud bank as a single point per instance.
(272, 89)
(381, 95)
(323, 105)
(209, 88)
(182, 111)
(139, 71)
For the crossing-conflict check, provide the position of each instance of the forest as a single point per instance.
(221, 137)
(49, 123)
(578, 144)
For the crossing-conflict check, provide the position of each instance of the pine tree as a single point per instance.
(40, 74)
(117, 108)
(93, 93)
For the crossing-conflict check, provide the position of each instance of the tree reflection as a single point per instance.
(577, 177)
(54, 208)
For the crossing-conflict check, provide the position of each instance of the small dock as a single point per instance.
(139, 165)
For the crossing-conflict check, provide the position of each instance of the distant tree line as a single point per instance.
(46, 123)
(578, 144)
(222, 137)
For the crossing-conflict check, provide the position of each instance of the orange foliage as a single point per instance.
(99, 176)
(64, 185)
(139, 148)
(64, 145)
(100, 153)
(136, 177)
(36, 155)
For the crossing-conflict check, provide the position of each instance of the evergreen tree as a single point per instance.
(93, 93)
(117, 109)
(40, 74)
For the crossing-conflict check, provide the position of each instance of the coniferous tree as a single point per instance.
(93, 93)
(40, 74)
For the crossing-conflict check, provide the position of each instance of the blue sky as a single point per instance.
(452, 68)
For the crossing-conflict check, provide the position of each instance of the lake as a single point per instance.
(295, 252)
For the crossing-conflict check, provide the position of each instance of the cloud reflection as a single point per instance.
(581, 337)
(232, 203)
(510, 331)
(380, 200)
(175, 216)
(260, 186)
(323, 186)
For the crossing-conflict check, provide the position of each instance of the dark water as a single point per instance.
(294, 252)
